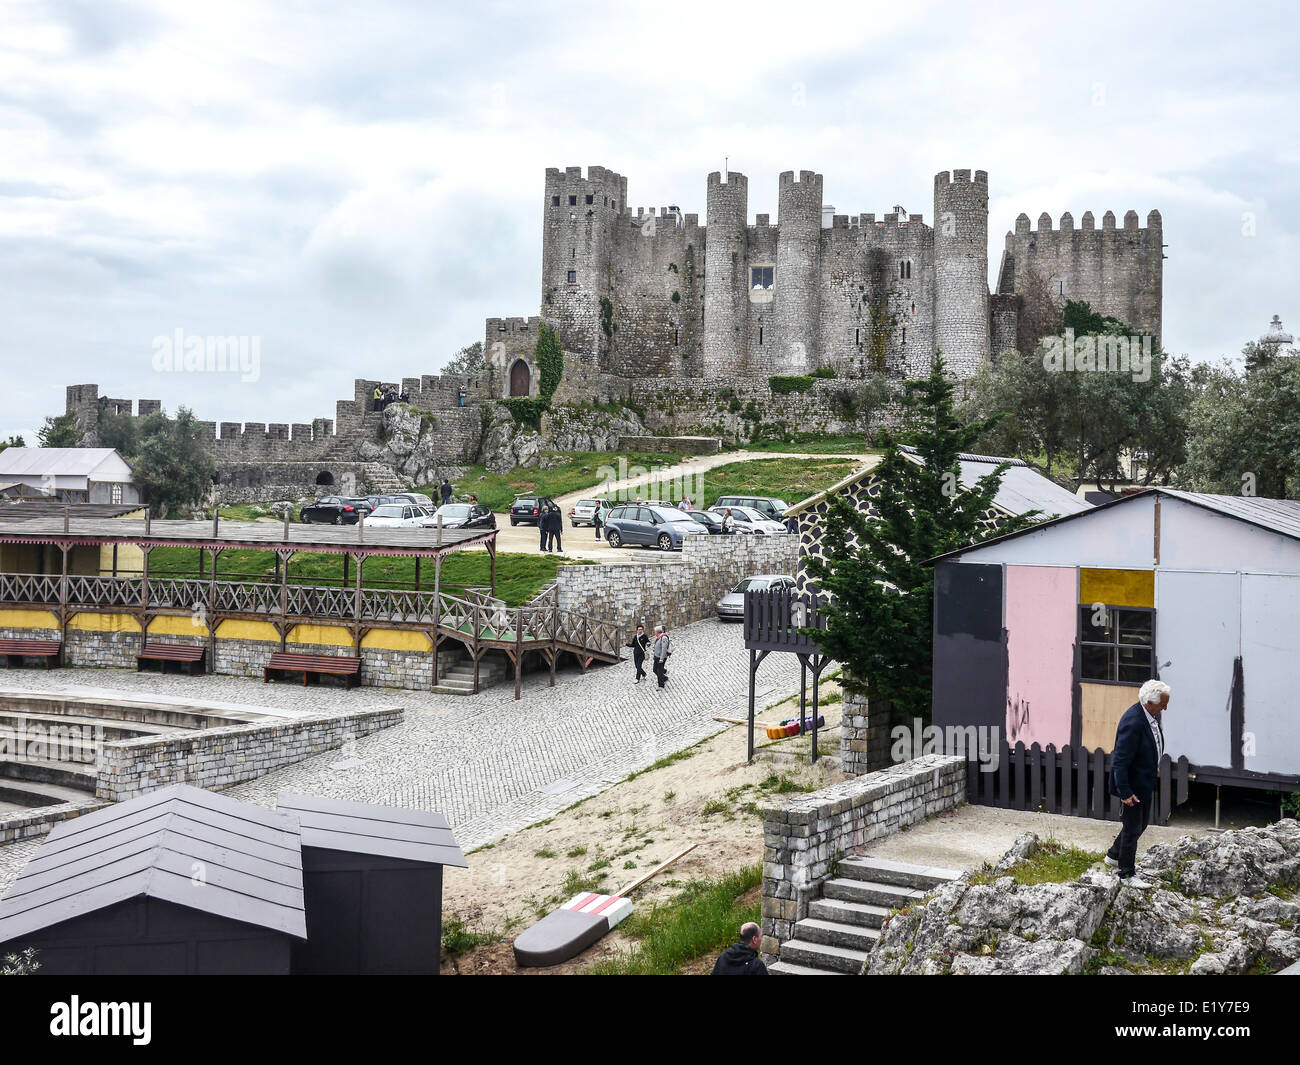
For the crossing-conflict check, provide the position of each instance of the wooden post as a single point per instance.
(212, 613)
(817, 672)
(417, 573)
(282, 571)
(115, 560)
(519, 648)
(345, 569)
(492, 556)
(63, 588)
(753, 668)
(144, 592)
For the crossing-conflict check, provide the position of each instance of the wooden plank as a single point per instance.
(1097, 772)
(1035, 777)
(1018, 764)
(1050, 770)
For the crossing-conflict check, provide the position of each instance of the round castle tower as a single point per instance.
(725, 347)
(961, 270)
(796, 310)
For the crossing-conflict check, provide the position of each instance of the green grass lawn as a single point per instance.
(788, 479)
(519, 576)
(703, 920)
(813, 445)
(573, 472)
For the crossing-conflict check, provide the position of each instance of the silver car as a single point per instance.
(731, 607)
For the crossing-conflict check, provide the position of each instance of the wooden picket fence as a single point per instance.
(1069, 781)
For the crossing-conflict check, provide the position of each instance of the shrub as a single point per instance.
(784, 386)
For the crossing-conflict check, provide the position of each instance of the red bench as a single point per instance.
(14, 651)
(344, 666)
(188, 655)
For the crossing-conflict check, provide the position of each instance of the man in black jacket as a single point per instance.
(1135, 762)
(741, 959)
(640, 644)
(555, 522)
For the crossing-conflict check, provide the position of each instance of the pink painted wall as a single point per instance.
(1041, 609)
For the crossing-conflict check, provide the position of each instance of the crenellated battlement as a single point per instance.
(1087, 224)
(961, 177)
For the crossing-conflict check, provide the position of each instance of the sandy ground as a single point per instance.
(581, 542)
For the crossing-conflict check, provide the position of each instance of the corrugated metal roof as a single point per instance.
(1023, 488)
(53, 461)
(362, 828)
(179, 844)
(33, 509)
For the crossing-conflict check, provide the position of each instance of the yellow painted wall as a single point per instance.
(1101, 706)
(130, 559)
(177, 626)
(103, 623)
(248, 630)
(27, 619)
(396, 640)
(1118, 587)
(326, 635)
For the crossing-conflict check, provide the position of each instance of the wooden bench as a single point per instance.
(315, 665)
(189, 656)
(14, 651)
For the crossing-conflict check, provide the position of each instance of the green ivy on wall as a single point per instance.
(550, 362)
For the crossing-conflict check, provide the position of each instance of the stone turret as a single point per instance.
(796, 310)
(726, 340)
(961, 269)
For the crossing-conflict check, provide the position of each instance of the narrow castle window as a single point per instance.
(555, 201)
(761, 278)
(674, 338)
(573, 277)
(760, 336)
(573, 201)
(904, 334)
(591, 198)
(857, 337)
(573, 253)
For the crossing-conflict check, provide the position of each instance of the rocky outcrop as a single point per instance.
(410, 447)
(508, 445)
(1225, 903)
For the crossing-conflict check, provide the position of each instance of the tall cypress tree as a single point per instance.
(880, 616)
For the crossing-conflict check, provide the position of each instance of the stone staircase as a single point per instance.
(844, 924)
(457, 678)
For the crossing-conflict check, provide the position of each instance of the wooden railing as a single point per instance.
(773, 620)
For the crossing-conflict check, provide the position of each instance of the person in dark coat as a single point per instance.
(741, 959)
(445, 491)
(1135, 763)
(556, 520)
(640, 644)
(544, 527)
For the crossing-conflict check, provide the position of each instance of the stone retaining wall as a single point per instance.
(802, 839)
(865, 743)
(679, 590)
(656, 445)
(39, 821)
(221, 757)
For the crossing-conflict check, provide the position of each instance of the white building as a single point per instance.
(67, 474)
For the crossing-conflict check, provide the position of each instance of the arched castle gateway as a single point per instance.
(637, 294)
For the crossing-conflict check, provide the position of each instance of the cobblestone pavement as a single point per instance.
(489, 764)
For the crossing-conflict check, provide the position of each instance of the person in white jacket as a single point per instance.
(661, 650)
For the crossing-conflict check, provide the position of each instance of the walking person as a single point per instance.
(544, 528)
(640, 644)
(661, 650)
(728, 522)
(741, 959)
(1135, 764)
(445, 491)
(557, 528)
(598, 517)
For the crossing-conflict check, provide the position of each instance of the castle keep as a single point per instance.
(655, 294)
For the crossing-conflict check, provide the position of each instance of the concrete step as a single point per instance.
(890, 896)
(835, 934)
(787, 968)
(885, 871)
(823, 956)
(860, 914)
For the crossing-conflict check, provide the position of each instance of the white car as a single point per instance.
(583, 512)
(747, 519)
(398, 516)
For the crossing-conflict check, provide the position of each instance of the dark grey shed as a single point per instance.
(178, 881)
(372, 882)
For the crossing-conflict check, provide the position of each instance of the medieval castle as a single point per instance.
(688, 324)
(656, 295)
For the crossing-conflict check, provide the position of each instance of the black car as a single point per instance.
(528, 509)
(466, 516)
(334, 510)
(712, 522)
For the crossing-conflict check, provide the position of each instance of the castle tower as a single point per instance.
(961, 270)
(796, 310)
(579, 215)
(725, 347)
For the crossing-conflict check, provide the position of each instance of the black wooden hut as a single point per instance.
(372, 883)
(178, 881)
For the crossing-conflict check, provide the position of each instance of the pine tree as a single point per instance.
(874, 568)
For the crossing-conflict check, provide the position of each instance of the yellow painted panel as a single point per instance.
(130, 559)
(174, 626)
(87, 622)
(1118, 587)
(27, 619)
(248, 630)
(1101, 706)
(327, 635)
(396, 640)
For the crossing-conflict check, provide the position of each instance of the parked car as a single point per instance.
(747, 519)
(712, 522)
(662, 527)
(397, 515)
(465, 516)
(380, 500)
(362, 504)
(768, 506)
(583, 512)
(334, 510)
(527, 509)
(731, 607)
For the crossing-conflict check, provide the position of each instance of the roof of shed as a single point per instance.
(363, 828)
(179, 844)
(55, 461)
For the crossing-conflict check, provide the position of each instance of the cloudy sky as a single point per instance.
(360, 185)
